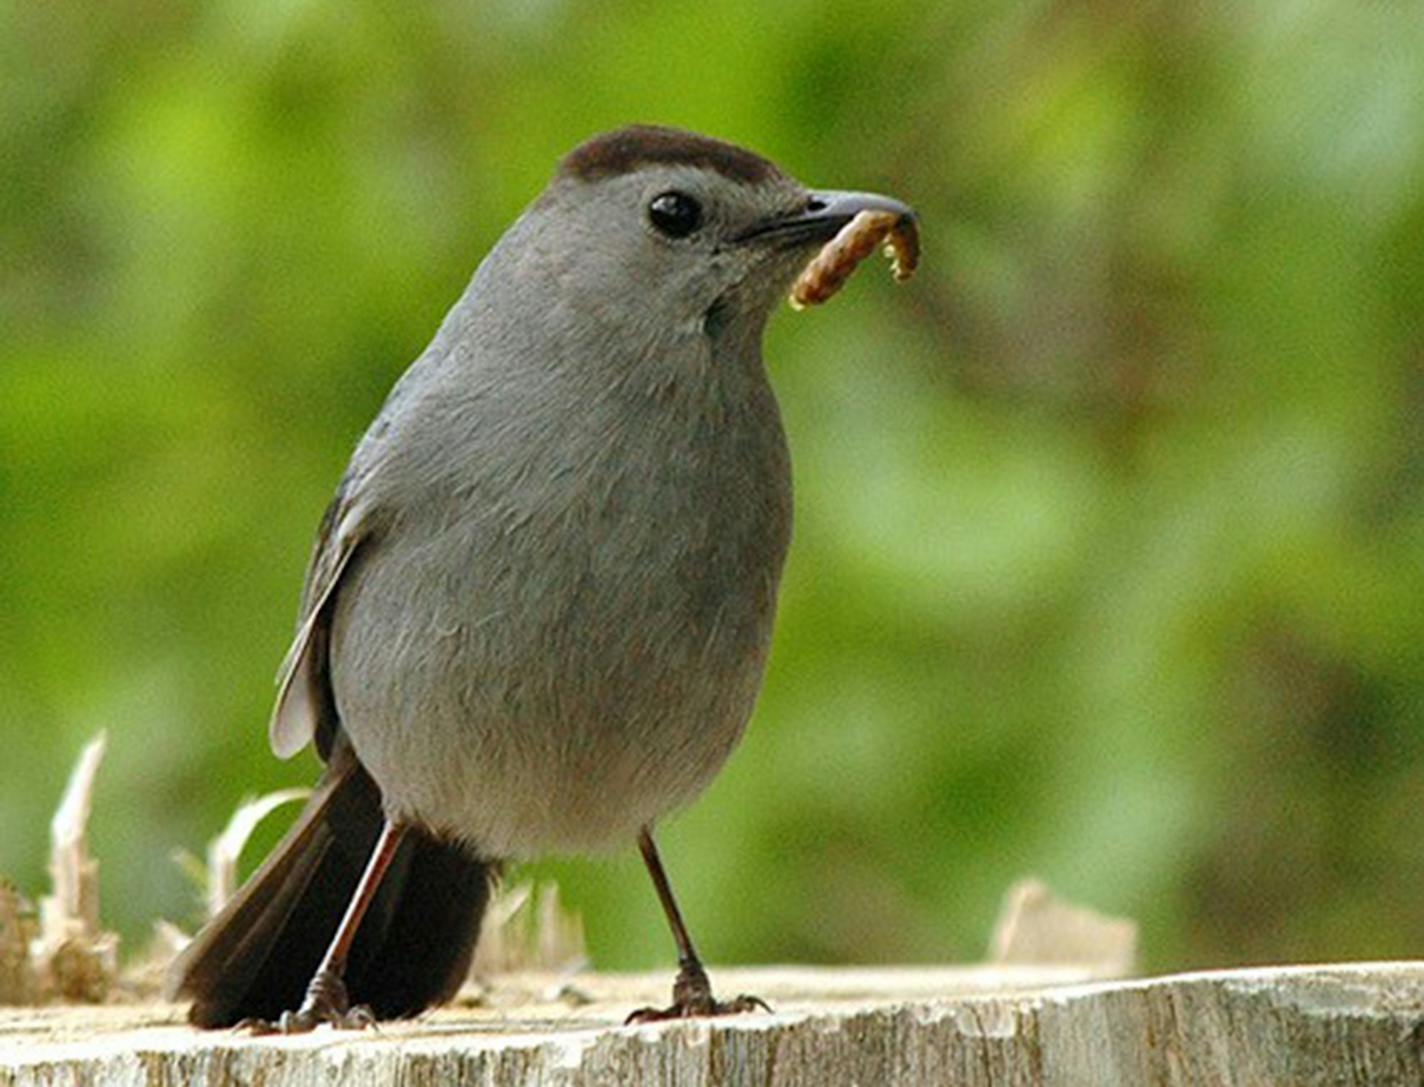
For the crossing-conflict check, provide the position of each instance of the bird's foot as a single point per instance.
(692, 998)
(697, 1009)
(326, 1002)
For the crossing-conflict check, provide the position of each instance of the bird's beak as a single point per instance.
(822, 216)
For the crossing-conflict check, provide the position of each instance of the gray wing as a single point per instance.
(306, 708)
(304, 700)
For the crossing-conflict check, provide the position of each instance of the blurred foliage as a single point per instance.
(1110, 547)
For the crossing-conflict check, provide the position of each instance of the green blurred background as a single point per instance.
(1109, 562)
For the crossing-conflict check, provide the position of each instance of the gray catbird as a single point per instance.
(539, 606)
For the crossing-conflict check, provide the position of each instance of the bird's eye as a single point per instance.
(675, 214)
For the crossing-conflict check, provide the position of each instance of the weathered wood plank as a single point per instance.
(1341, 1025)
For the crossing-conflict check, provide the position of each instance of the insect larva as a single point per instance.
(855, 241)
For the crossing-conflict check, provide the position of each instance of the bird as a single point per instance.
(538, 610)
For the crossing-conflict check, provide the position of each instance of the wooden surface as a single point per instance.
(1336, 1025)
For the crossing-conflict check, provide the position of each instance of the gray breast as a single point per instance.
(561, 632)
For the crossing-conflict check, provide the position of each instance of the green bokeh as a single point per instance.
(1109, 562)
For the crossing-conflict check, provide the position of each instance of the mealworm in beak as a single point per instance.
(832, 266)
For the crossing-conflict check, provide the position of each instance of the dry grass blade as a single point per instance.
(225, 850)
(1036, 928)
(74, 958)
(528, 929)
(18, 983)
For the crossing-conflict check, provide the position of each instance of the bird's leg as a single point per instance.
(327, 1000)
(691, 992)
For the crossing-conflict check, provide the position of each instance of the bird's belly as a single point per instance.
(565, 682)
(524, 780)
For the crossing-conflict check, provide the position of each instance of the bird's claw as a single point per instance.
(326, 1002)
(736, 1006)
(692, 999)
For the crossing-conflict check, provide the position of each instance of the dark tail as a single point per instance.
(412, 950)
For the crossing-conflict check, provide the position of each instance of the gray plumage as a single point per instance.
(540, 605)
(565, 530)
